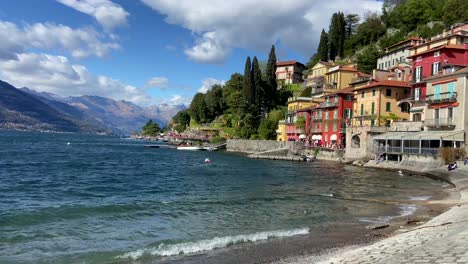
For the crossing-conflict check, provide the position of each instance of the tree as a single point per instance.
(198, 109)
(367, 59)
(322, 50)
(214, 101)
(267, 128)
(270, 78)
(371, 30)
(248, 88)
(352, 22)
(337, 35)
(258, 87)
(181, 120)
(150, 128)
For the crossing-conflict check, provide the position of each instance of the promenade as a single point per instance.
(444, 239)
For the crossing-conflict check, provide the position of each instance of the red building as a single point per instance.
(328, 120)
(445, 54)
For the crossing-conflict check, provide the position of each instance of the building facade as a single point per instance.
(289, 72)
(397, 53)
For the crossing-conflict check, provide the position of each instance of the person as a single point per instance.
(451, 166)
(465, 161)
(207, 160)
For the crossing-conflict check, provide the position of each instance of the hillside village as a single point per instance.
(411, 105)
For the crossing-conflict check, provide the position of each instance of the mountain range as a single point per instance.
(28, 109)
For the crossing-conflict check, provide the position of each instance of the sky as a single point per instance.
(151, 52)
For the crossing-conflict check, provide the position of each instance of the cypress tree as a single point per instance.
(322, 49)
(337, 35)
(270, 76)
(249, 92)
(258, 86)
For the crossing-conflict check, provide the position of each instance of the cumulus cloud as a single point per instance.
(81, 43)
(56, 74)
(107, 13)
(219, 26)
(158, 82)
(208, 83)
(177, 99)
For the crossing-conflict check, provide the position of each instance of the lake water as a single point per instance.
(103, 199)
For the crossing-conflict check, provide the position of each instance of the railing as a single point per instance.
(439, 122)
(359, 79)
(406, 150)
(316, 90)
(328, 104)
(317, 118)
(441, 98)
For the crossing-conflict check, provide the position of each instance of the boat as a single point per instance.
(190, 148)
(210, 148)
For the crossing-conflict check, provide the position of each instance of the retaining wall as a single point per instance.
(256, 146)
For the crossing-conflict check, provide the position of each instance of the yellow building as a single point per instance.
(339, 77)
(287, 129)
(380, 103)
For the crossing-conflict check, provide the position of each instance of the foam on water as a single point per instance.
(209, 244)
(405, 210)
(419, 198)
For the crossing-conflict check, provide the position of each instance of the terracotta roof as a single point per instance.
(286, 63)
(439, 48)
(404, 41)
(391, 83)
(442, 76)
(326, 63)
(361, 74)
(347, 90)
(343, 69)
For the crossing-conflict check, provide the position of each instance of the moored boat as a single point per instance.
(190, 148)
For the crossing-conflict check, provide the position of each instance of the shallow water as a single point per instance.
(103, 199)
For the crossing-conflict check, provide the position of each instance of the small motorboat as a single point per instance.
(207, 160)
(193, 148)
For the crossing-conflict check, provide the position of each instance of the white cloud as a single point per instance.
(208, 83)
(80, 43)
(107, 13)
(219, 26)
(177, 99)
(158, 82)
(56, 74)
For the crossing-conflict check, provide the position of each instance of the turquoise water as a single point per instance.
(102, 199)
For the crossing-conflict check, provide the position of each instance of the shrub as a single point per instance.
(449, 154)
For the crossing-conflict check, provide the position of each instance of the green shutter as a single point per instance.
(362, 95)
(388, 107)
(362, 109)
(373, 108)
(437, 92)
(451, 89)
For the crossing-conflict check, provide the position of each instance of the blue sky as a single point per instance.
(153, 51)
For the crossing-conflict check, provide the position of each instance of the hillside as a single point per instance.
(20, 110)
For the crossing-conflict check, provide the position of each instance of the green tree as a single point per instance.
(248, 87)
(337, 35)
(322, 50)
(198, 109)
(270, 79)
(181, 120)
(260, 101)
(351, 22)
(455, 11)
(367, 59)
(215, 103)
(150, 128)
(268, 126)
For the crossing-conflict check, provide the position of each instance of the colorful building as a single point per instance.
(289, 129)
(289, 72)
(316, 78)
(380, 102)
(397, 53)
(339, 77)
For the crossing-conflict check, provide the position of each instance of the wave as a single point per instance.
(405, 210)
(209, 244)
(419, 198)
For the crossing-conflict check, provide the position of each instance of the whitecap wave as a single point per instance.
(405, 210)
(419, 198)
(209, 244)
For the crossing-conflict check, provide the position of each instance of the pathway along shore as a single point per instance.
(444, 239)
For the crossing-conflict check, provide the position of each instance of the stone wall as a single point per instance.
(257, 146)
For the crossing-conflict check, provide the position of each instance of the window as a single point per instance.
(336, 99)
(451, 89)
(335, 114)
(402, 58)
(417, 94)
(372, 122)
(335, 126)
(348, 113)
(417, 117)
(326, 128)
(437, 54)
(437, 92)
(388, 92)
(387, 107)
(326, 115)
(435, 68)
(373, 92)
(418, 74)
(372, 108)
(436, 113)
(362, 109)
(419, 58)
(399, 74)
(362, 94)
(450, 113)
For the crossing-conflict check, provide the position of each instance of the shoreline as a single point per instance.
(403, 241)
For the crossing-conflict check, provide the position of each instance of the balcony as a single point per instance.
(317, 118)
(441, 98)
(439, 122)
(360, 79)
(329, 104)
(317, 90)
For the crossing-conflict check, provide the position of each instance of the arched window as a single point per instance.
(355, 141)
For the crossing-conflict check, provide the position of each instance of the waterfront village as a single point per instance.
(413, 103)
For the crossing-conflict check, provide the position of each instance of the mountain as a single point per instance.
(21, 110)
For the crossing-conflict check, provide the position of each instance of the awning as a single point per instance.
(457, 135)
(314, 137)
(302, 136)
(319, 137)
(333, 137)
(416, 109)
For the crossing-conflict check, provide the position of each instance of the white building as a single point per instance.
(397, 53)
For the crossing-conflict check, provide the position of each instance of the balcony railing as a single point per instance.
(441, 98)
(317, 90)
(329, 104)
(439, 122)
(317, 118)
(407, 150)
